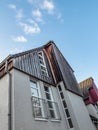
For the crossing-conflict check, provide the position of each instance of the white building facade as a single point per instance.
(38, 91)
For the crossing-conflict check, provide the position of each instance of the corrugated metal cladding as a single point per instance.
(29, 63)
(66, 72)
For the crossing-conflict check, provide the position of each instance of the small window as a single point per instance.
(52, 106)
(42, 64)
(36, 100)
(43, 108)
(66, 111)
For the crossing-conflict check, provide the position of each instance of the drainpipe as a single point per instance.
(9, 96)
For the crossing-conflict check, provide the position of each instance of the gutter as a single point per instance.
(9, 97)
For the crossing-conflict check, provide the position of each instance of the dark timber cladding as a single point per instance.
(57, 67)
(29, 63)
(63, 71)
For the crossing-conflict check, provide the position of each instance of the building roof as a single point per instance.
(89, 90)
(86, 83)
(57, 66)
(85, 86)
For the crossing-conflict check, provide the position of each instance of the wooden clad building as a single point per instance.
(38, 90)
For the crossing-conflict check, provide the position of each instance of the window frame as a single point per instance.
(51, 100)
(45, 109)
(65, 107)
(41, 57)
(39, 99)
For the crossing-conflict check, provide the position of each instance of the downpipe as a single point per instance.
(9, 97)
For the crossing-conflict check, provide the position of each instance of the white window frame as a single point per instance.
(44, 64)
(65, 108)
(51, 100)
(39, 97)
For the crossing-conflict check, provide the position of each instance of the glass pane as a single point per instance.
(50, 105)
(59, 87)
(34, 92)
(64, 104)
(33, 84)
(40, 58)
(48, 96)
(67, 113)
(41, 62)
(52, 114)
(40, 53)
(37, 112)
(43, 68)
(70, 123)
(46, 88)
(36, 101)
(44, 73)
(62, 96)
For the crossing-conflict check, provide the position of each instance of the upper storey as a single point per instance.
(45, 63)
(89, 90)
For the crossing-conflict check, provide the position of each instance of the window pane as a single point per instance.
(44, 73)
(62, 96)
(48, 96)
(70, 123)
(67, 113)
(36, 101)
(34, 92)
(64, 104)
(46, 88)
(33, 84)
(37, 112)
(43, 68)
(50, 105)
(52, 114)
(59, 87)
(41, 62)
(40, 58)
(40, 53)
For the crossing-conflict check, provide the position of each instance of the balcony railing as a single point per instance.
(45, 109)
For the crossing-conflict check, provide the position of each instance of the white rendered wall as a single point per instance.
(92, 110)
(4, 103)
(23, 114)
(78, 110)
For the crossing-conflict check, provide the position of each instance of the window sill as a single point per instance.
(40, 119)
(54, 120)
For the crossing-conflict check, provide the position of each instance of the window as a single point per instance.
(42, 63)
(36, 100)
(66, 111)
(52, 106)
(43, 108)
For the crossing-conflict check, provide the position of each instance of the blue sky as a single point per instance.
(71, 24)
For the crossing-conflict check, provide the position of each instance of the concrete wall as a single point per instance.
(92, 110)
(78, 110)
(4, 103)
(23, 116)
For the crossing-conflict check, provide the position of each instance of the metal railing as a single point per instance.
(45, 109)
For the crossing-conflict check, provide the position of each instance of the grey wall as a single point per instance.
(4, 103)
(23, 116)
(78, 110)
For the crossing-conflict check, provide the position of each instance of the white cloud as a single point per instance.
(12, 6)
(19, 39)
(59, 17)
(19, 14)
(37, 14)
(48, 5)
(31, 28)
